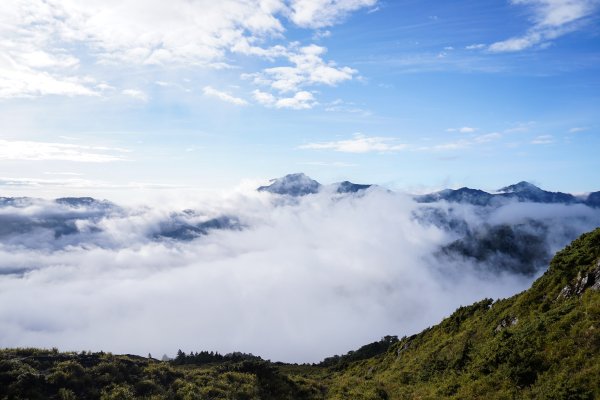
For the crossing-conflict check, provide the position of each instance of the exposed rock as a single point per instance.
(589, 280)
(506, 322)
(404, 347)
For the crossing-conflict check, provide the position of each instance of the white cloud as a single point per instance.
(299, 101)
(321, 34)
(543, 139)
(20, 80)
(44, 43)
(477, 46)
(359, 144)
(488, 137)
(39, 151)
(223, 96)
(551, 19)
(339, 105)
(264, 98)
(464, 129)
(136, 94)
(322, 13)
(308, 69)
(578, 129)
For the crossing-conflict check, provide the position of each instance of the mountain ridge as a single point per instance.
(299, 184)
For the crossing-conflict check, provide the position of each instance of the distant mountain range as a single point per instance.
(521, 246)
(300, 185)
(522, 191)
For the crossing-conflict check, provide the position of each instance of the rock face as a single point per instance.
(506, 322)
(292, 185)
(577, 286)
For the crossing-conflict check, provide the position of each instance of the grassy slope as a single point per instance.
(542, 343)
(537, 344)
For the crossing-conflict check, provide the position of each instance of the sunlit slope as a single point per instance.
(542, 343)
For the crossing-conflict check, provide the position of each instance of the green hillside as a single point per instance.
(543, 343)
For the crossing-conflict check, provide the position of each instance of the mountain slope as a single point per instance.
(543, 343)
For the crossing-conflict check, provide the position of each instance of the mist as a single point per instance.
(289, 279)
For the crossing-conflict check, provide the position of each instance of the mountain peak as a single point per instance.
(522, 186)
(297, 184)
(349, 187)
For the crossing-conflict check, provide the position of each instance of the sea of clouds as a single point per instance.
(290, 279)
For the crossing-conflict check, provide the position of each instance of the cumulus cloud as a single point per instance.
(359, 144)
(37, 151)
(38, 56)
(85, 275)
(223, 96)
(302, 100)
(551, 19)
(308, 69)
(323, 13)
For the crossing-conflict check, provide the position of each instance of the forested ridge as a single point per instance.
(543, 343)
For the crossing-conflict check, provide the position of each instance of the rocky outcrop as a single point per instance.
(583, 281)
(506, 322)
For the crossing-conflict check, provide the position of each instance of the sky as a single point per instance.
(119, 96)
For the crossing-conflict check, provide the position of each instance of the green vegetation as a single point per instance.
(543, 343)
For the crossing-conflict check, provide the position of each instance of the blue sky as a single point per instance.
(414, 95)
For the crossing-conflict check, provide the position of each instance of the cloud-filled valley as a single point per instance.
(293, 277)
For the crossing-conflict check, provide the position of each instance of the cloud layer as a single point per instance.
(289, 279)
